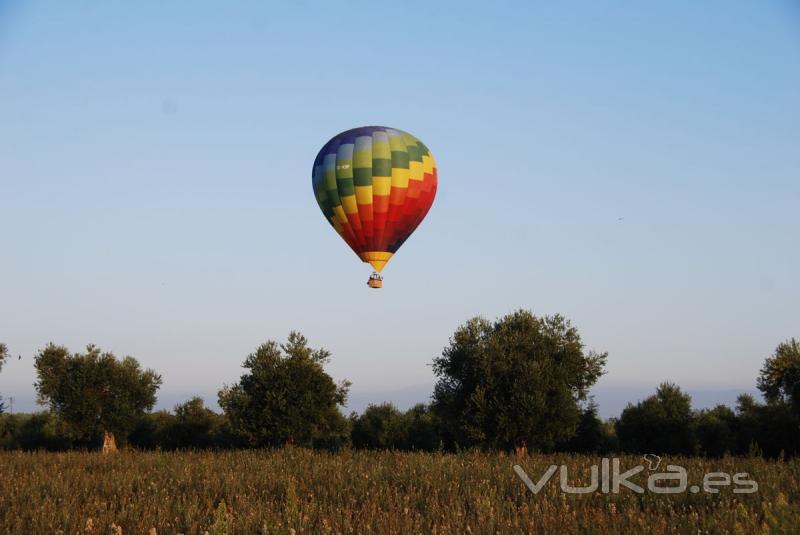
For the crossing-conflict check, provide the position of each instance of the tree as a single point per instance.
(773, 427)
(514, 383)
(422, 432)
(195, 426)
(3, 357)
(191, 426)
(769, 428)
(32, 432)
(384, 427)
(592, 435)
(715, 431)
(151, 430)
(379, 427)
(779, 379)
(662, 423)
(286, 397)
(94, 394)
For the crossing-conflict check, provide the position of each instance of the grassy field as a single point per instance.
(299, 491)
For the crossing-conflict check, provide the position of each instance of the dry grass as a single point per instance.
(299, 491)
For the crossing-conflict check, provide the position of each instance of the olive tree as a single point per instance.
(94, 394)
(513, 383)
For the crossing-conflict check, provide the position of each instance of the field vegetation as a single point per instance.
(298, 490)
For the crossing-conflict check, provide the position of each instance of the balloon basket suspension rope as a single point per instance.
(375, 280)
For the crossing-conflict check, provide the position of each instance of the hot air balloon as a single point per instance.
(374, 185)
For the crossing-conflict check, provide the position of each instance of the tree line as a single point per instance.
(520, 383)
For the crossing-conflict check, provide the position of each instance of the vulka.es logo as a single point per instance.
(608, 478)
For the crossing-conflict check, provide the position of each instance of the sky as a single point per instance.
(632, 166)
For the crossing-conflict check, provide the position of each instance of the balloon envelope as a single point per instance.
(374, 185)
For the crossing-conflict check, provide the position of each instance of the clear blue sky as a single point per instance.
(155, 188)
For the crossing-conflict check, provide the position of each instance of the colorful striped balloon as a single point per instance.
(375, 185)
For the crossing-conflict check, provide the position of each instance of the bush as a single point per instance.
(773, 428)
(38, 431)
(384, 427)
(380, 427)
(715, 431)
(662, 423)
(192, 426)
(592, 435)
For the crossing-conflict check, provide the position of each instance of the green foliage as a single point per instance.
(384, 427)
(662, 423)
(195, 426)
(521, 380)
(151, 430)
(40, 431)
(191, 426)
(665, 423)
(287, 398)
(715, 431)
(779, 379)
(591, 435)
(379, 427)
(423, 429)
(94, 392)
(515, 382)
(773, 428)
(3, 357)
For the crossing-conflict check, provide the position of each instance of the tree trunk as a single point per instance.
(109, 442)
